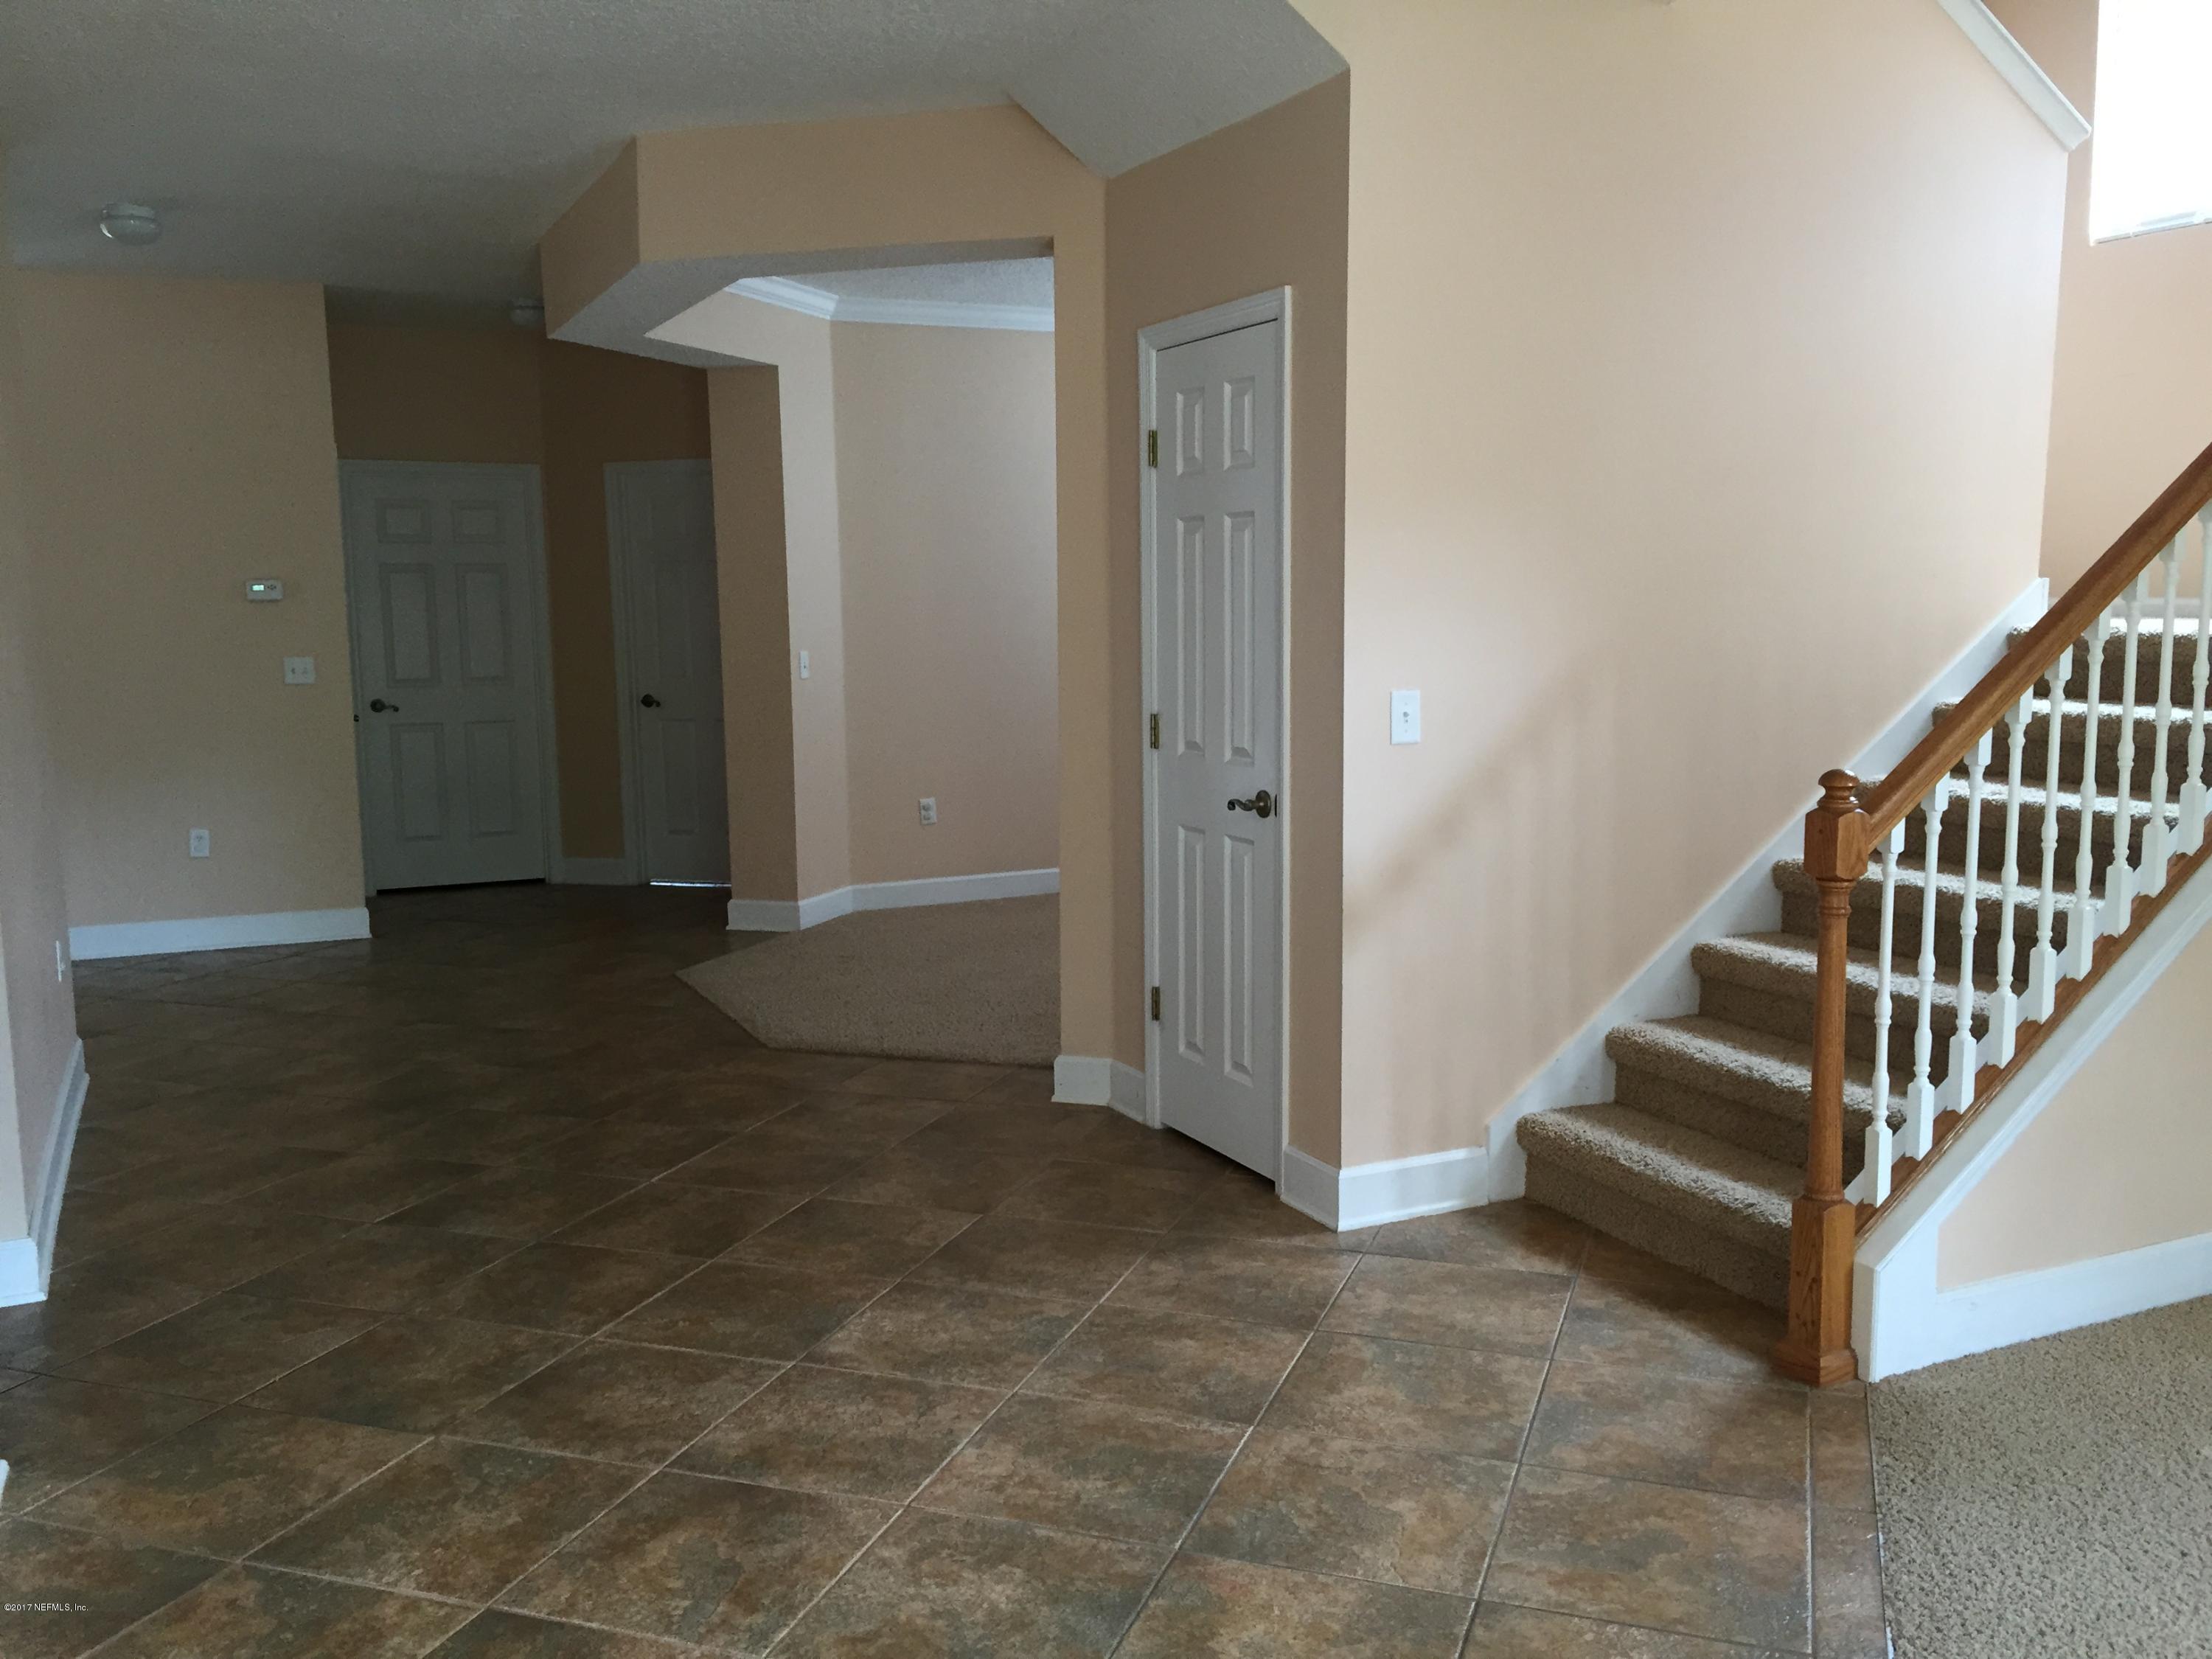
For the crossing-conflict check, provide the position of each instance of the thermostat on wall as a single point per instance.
(265, 591)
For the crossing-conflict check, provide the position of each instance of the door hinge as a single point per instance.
(1155, 1002)
(1152, 447)
(1156, 731)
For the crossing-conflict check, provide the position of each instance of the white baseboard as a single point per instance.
(1902, 1319)
(595, 872)
(27, 1263)
(2020, 1306)
(1580, 1073)
(786, 915)
(1367, 1194)
(158, 938)
(1088, 1080)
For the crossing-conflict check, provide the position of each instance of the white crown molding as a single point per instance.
(813, 302)
(156, 939)
(2021, 72)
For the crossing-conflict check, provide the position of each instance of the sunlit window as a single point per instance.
(2152, 166)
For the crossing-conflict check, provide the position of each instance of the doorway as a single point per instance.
(668, 671)
(445, 602)
(1215, 391)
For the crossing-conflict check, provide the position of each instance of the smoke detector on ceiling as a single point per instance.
(129, 224)
(527, 313)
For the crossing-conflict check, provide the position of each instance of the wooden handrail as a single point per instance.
(2076, 610)
(1841, 833)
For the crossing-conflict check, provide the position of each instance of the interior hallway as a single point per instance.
(418, 1293)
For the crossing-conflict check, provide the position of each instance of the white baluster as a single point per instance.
(2004, 1012)
(2043, 961)
(2120, 873)
(2190, 835)
(1875, 1186)
(2082, 930)
(1920, 1097)
(1963, 1051)
(2158, 839)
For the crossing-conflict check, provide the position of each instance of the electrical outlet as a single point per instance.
(929, 809)
(198, 844)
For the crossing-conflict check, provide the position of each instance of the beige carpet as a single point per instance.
(945, 982)
(2054, 1500)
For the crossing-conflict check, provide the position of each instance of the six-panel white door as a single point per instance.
(1217, 658)
(441, 572)
(661, 514)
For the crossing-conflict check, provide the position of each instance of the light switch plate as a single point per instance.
(1404, 717)
(805, 665)
(198, 845)
(299, 671)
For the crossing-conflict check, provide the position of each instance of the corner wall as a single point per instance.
(1258, 205)
(1700, 372)
(2128, 404)
(183, 445)
(38, 1011)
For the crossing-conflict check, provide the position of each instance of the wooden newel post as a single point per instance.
(1824, 1223)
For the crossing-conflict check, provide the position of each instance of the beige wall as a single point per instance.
(2116, 1161)
(2130, 408)
(1699, 372)
(798, 346)
(413, 393)
(945, 463)
(1208, 223)
(37, 1020)
(988, 176)
(759, 672)
(183, 445)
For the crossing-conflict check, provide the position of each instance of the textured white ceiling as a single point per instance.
(406, 147)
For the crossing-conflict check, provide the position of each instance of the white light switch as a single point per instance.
(198, 845)
(1404, 717)
(299, 671)
(805, 668)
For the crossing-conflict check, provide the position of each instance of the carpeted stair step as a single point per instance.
(1749, 1088)
(1765, 980)
(1702, 1204)
(2073, 729)
(1951, 837)
(1801, 904)
(2186, 635)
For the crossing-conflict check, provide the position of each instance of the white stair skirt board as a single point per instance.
(1901, 1319)
(1666, 985)
(1366, 1194)
(160, 938)
(27, 1263)
(596, 872)
(789, 915)
(1086, 1080)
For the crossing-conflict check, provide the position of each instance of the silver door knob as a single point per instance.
(1262, 806)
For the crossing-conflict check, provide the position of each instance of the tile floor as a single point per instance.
(480, 1292)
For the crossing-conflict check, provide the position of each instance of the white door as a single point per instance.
(661, 518)
(1217, 623)
(442, 568)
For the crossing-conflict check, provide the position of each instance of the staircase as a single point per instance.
(2064, 796)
